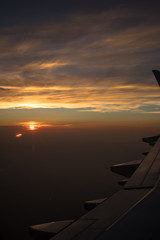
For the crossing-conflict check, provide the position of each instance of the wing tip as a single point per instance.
(157, 75)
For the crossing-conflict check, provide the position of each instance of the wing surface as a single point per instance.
(96, 223)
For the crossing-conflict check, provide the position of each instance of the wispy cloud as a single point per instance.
(104, 99)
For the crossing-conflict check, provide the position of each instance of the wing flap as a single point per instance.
(126, 169)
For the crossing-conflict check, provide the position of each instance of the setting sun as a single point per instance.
(32, 127)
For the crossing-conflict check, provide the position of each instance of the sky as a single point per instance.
(79, 63)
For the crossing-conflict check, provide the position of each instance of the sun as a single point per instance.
(32, 127)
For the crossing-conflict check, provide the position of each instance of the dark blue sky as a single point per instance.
(25, 12)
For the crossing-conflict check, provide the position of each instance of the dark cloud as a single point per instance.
(3, 89)
(13, 12)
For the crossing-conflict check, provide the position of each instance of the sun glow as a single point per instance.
(32, 127)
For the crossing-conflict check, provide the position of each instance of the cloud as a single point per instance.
(110, 99)
(100, 61)
(42, 65)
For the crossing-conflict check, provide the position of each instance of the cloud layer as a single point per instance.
(100, 61)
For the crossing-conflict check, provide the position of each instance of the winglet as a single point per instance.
(157, 75)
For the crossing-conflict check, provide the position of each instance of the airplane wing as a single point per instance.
(131, 213)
